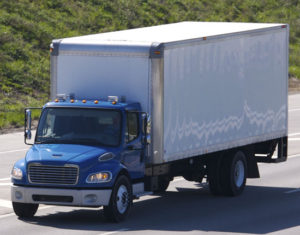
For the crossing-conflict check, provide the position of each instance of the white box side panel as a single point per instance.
(224, 93)
(94, 77)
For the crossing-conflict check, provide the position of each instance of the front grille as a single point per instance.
(61, 175)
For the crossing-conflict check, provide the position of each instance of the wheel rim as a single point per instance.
(239, 173)
(122, 199)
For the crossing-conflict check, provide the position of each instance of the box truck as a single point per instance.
(133, 109)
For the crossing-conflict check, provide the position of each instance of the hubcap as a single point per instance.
(239, 173)
(122, 199)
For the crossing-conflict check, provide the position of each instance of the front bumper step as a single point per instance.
(67, 197)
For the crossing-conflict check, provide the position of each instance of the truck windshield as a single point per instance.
(79, 126)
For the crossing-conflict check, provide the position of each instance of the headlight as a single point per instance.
(99, 177)
(16, 173)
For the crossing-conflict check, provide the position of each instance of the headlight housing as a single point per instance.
(17, 173)
(99, 177)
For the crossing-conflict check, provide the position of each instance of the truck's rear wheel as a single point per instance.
(25, 210)
(120, 200)
(234, 174)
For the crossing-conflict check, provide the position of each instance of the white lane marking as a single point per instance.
(4, 179)
(6, 215)
(294, 139)
(12, 151)
(293, 110)
(293, 191)
(45, 207)
(5, 184)
(295, 155)
(294, 134)
(13, 214)
(117, 231)
(5, 203)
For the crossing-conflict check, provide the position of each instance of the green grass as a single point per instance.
(27, 28)
(12, 110)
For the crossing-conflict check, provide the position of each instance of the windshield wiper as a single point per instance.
(86, 140)
(46, 140)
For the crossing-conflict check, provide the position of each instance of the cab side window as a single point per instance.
(132, 126)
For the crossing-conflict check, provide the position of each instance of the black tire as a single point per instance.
(120, 200)
(234, 173)
(25, 210)
(214, 175)
(163, 184)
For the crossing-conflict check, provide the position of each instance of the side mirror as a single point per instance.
(27, 133)
(28, 123)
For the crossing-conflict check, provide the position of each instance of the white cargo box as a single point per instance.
(207, 86)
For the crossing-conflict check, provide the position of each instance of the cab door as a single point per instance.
(134, 154)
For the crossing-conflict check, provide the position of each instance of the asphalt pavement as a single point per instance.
(269, 205)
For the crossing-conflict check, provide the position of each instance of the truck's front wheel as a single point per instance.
(25, 210)
(120, 200)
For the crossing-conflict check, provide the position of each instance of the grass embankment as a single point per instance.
(12, 113)
(27, 28)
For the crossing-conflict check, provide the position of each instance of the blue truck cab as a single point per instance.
(83, 150)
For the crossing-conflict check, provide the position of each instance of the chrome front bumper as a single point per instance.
(67, 197)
